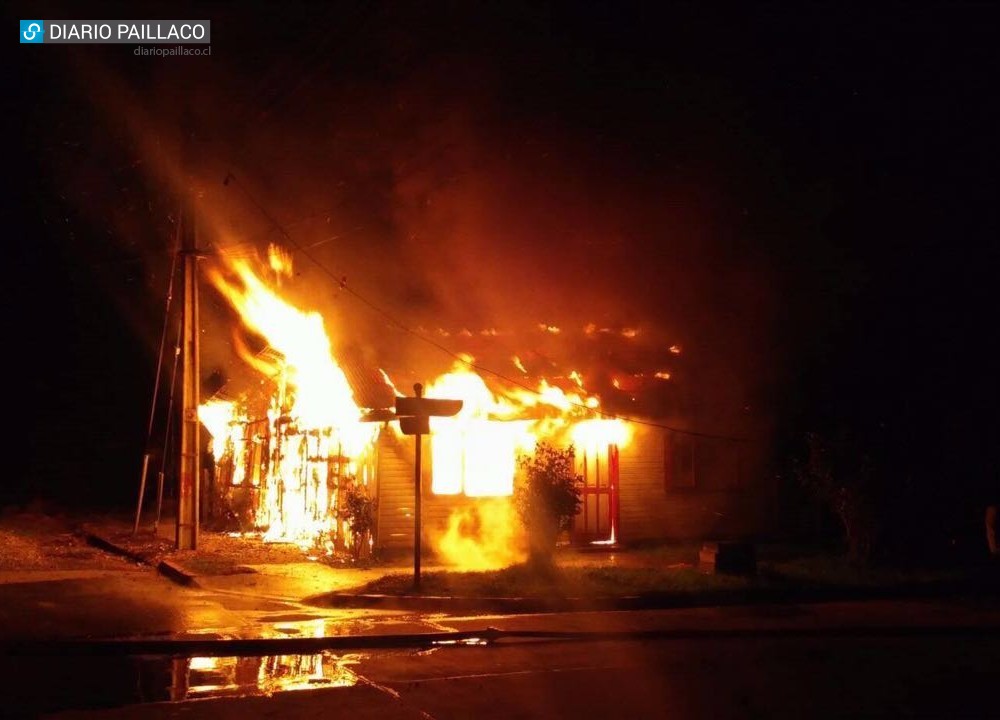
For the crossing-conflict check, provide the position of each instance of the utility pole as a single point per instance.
(418, 392)
(190, 445)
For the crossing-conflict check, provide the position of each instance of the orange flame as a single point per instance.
(475, 454)
(315, 435)
(312, 438)
(280, 260)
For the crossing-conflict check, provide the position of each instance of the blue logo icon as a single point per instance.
(32, 31)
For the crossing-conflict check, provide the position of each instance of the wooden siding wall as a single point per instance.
(649, 512)
(395, 496)
(395, 491)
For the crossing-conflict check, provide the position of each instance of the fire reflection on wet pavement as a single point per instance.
(212, 677)
(205, 677)
(97, 682)
(76, 683)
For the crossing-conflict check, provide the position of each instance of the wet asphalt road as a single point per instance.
(142, 602)
(766, 677)
(762, 677)
(946, 674)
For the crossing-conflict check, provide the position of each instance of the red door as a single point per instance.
(597, 521)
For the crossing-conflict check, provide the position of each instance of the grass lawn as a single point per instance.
(667, 570)
(827, 570)
(571, 581)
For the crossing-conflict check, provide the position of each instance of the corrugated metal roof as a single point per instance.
(370, 389)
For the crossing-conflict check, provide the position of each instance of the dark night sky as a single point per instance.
(805, 200)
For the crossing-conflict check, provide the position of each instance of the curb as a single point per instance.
(170, 570)
(225, 647)
(108, 546)
(646, 601)
(443, 603)
(176, 573)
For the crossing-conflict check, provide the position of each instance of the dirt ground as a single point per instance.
(43, 538)
(218, 553)
(31, 539)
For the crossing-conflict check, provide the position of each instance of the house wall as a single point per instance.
(395, 491)
(728, 498)
(396, 498)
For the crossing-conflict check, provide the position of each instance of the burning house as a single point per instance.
(315, 428)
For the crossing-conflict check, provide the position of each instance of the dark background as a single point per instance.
(803, 199)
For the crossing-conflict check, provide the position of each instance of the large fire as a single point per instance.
(310, 440)
(291, 454)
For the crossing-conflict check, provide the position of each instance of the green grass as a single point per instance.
(574, 581)
(825, 570)
(667, 569)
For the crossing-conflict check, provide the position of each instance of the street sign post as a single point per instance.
(415, 425)
(420, 406)
(414, 415)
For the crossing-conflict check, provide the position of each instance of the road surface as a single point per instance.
(873, 659)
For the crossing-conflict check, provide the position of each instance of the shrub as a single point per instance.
(840, 475)
(547, 497)
(359, 510)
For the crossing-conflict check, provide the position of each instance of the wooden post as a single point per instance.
(204, 497)
(418, 391)
(142, 492)
(159, 501)
(179, 679)
(190, 451)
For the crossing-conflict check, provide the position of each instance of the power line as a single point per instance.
(342, 284)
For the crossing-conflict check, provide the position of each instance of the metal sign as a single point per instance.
(415, 425)
(426, 407)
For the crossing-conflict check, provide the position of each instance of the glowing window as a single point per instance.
(476, 458)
